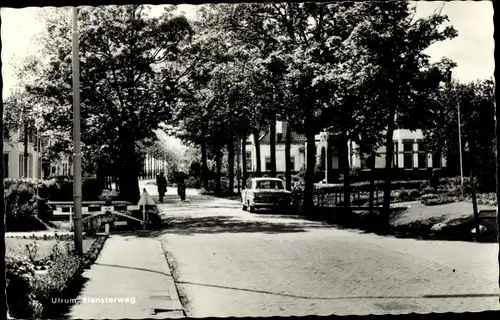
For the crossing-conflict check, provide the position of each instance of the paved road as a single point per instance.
(231, 263)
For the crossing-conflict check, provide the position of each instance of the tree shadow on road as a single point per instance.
(194, 199)
(227, 224)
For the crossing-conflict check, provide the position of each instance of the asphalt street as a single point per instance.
(227, 262)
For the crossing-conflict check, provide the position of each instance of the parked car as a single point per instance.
(269, 193)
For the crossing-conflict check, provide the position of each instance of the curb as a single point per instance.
(175, 296)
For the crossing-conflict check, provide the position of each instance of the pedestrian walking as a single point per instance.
(161, 183)
(181, 189)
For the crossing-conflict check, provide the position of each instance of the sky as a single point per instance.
(472, 50)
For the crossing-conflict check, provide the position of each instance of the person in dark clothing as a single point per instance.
(181, 189)
(161, 183)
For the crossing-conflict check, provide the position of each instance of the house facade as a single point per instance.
(411, 159)
(13, 155)
(297, 151)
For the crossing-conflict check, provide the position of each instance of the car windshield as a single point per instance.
(269, 185)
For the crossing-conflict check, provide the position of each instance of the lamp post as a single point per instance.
(77, 171)
(460, 149)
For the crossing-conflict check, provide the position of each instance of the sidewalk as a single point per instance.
(129, 267)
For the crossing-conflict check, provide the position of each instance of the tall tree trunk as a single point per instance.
(129, 172)
(218, 167)
(258, 164)
(288, 157)
(472, 174)
(372, 180)
(102, 175)
(244, 160)
(204, 167)
(474, 199)
(272, 143)
(26, 155)
(385, 216)
(310, 164)
(238, 162)
(230, 162)
(345, 154)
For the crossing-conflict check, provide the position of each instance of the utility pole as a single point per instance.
(77, 163)
(460, 148)
(25, 142)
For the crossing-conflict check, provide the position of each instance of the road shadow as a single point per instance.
(195, 199)
(189, 225)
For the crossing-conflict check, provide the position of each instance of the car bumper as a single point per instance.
(271, 204)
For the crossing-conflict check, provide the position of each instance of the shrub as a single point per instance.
(192, 182)
(429, 196)
(21, 205)
(66, 267)
(437, 201)
(91, 188)
(59, 190)
(108, 195)
(20, 280)
(428, 190)
(414, 194)
(403, 196)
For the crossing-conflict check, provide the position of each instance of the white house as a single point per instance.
(297, 151)
(411, 157)
(13, 155)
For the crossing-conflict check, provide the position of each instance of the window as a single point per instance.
(21, 166)
(422, 155)
(395, 157)
(322, 159)
(408, 154)
(436, 160)
(39, 173)
(30, 166)
(268, 163)
(248, 160)
(292, 163)
(422, 160)
(5, 165)
(408, 146)
(269, 185)
(279, 137)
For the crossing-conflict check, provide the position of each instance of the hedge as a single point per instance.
(29, 294)
(365, 186)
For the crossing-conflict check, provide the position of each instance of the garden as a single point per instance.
(418, 209)
(41, 261)
(41, 269)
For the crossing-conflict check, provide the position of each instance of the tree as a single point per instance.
(391, 41)
(129, 79)
(475, 101)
